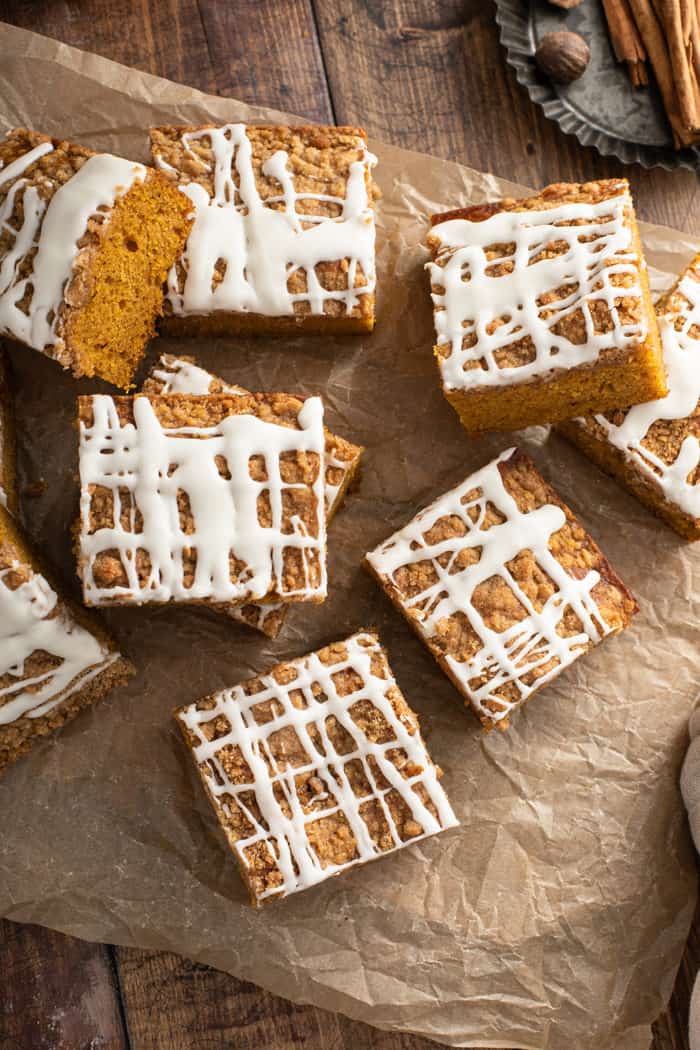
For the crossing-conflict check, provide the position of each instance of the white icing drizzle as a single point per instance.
(262, 247)
(184, 377)
(55, 231)
(286, 836)
(12, 171)
(468, 306)
(154, 463)
(29, 623)
(178, 376)
(682, 360)
(258, 615)
(506, 656)
(24, 239)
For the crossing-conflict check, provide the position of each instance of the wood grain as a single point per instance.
(276, 61)
(260, 51)
(166, 38)
(56, 993)
(422, 74)
(201, 1009)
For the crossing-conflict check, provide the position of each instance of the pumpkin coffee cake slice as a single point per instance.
(542, 307)
(283, 235)
(182, 375)
(654, 449)
(212, 499)
(86, 241)
(503, 584)
(55, 658)
(316, 767)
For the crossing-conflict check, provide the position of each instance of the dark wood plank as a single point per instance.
(56, 992)
(174, 1004)
(267, 53)
(257, 50)
(398, 69)
(433, 77)
(166, 38)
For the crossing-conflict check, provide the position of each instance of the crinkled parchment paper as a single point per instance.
(556, 915)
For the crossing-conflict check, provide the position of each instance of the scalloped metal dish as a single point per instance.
(603, 100)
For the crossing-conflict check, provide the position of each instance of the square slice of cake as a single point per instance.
(542, 307)
(283, 236)
(654, 449)
(86, 242)
(214, 498)
(503, 584)
(315, 767)
(8, 476)
(55, 659)
(181, 375)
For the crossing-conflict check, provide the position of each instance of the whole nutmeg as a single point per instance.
(562, 56)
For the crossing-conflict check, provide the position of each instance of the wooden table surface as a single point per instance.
(424, 74)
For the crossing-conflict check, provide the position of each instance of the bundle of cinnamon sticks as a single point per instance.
(666, 34)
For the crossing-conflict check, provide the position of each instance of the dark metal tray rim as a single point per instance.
(512, 18)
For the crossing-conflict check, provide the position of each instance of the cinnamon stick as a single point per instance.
(654, 41)
(675, 20)
(687, 14)
(626, 41)
(695, 39)
(638, 73)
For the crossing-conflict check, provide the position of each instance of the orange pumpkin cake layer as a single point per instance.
(87, 240)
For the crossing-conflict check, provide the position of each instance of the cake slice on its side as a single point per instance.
(55, 659)
(215, 498)
(654, 449)
(542, 307)
(315, 767)
(8, 475)
(180, 375)
(283, 237)
(86, 243)
(503, 584)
